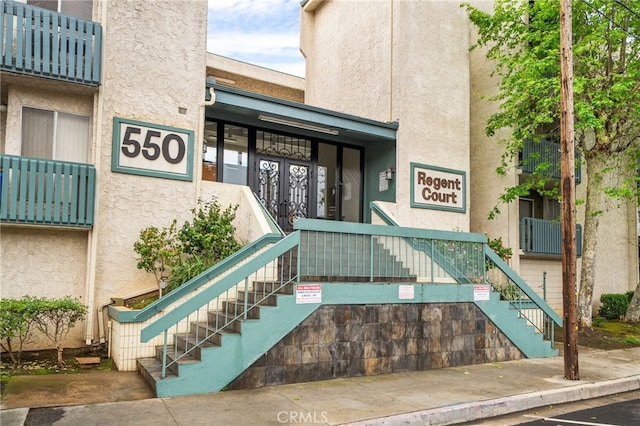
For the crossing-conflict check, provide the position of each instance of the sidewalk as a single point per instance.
(434, 397)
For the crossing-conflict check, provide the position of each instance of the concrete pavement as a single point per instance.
(433, 397)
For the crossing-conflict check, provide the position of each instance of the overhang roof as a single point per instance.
(248, 108)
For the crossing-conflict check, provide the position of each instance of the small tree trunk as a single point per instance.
(61, 362)
(633, 310)
(594, 205)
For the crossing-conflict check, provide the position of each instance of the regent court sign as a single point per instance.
(438, 188)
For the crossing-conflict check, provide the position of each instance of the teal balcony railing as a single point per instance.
(45, 192)
(535, 154)
(39, 42)
(544, 237)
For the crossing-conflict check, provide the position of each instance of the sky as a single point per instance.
(260, 32)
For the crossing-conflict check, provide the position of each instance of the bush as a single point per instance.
(613, 306)
(53, 317)
(179, 255)
(16, 324)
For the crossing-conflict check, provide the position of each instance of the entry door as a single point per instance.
(283, 186)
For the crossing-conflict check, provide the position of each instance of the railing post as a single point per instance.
(371, 258)
(164, 355)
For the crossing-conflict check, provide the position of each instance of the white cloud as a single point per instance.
(261, 32)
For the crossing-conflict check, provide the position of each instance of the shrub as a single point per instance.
(181, 254)
(613, 306)
(56, 317)
(53, 317)
(16, 324)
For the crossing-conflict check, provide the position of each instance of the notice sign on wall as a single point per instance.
(438, 188)
(152, 150)
(308, 293)
(481, 292)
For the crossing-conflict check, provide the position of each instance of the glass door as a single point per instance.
(283, 187)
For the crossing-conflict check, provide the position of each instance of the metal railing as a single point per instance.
(39, 42)
(357, 252)
(544, 237)
(336, 251)
(202, 320)
(529, 305)
(46, 192)
(544, 156)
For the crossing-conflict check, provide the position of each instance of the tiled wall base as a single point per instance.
(361, 340)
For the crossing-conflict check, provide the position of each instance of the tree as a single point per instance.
(56, 317)
(522, 38)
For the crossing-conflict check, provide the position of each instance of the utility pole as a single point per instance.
(567, 192)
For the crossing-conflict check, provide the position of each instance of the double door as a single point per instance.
(284, 187)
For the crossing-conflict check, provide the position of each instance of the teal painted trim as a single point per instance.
(305, 224)
(523, 336)
(115, 151)
(195, 283)
(522, 285)
(462, 173)
(210, 293)
(275, 228)
(121, 314)
(298, 111)
(237, 352)
(47, 192)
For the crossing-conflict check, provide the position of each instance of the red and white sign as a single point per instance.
(481, 292)
(308, 293)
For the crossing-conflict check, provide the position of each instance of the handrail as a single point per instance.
(225, 283)
(272, 223)
(500, 264)
(532, 295)
(305, 224)
(211, 273)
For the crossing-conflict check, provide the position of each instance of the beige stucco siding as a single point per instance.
(404, 61)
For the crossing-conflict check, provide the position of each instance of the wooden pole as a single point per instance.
(567, 192)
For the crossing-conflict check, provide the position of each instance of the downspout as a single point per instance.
(92, 243)
(391, 61)
(201, 121)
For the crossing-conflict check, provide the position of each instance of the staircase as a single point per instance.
(211, 338)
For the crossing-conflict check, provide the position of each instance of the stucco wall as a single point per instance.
(44, 263)
(405, 61)
(154, 71)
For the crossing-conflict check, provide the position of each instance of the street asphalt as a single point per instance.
(432, 397)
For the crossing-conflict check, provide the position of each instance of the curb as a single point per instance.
(471, 411)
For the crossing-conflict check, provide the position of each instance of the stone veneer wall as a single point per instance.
(361, 340)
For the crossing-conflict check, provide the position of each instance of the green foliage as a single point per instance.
(16, 324)
(157, 249)
(614, 306)
(181, 254)
(522, 39)
(503, 252)
(210, 235)
(52, 317)
(56, 317)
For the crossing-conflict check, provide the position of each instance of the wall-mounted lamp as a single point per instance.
(389, 173)
(163, 284)
(3, 108)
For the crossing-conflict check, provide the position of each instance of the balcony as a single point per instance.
(45, 192)
(543, 152)
(544, 237)
(37, 42)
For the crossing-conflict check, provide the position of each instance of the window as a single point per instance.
(236, 158)
(55, 135)
(78, 8)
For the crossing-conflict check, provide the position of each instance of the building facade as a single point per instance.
(115, 118)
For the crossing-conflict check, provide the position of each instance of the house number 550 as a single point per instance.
(152, 147)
